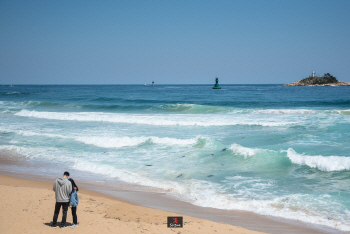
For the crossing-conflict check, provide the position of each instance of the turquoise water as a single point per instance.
(268, 149)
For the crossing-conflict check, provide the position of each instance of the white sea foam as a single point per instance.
(116, 142)
(238, 149)
(252, 187)
(285, 111)
(47, 153)
(212, 195)
(32, 133)
(323, 163)
(283, 207)
(176, 119)
(128, 176)
(108, 142)
(209, 194)
(111, 141)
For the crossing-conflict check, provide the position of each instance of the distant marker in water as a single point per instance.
(216, 86)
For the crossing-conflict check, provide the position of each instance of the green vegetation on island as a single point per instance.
(326, 80)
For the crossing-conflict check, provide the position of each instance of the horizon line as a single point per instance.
(149, 84)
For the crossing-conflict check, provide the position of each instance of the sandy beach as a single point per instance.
(27, 207)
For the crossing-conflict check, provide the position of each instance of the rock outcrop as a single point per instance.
(318, 81)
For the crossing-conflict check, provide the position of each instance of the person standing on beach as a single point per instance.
(73, 203)
(62, 188)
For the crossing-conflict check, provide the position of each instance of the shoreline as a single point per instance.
(162, 203)
(27, 207)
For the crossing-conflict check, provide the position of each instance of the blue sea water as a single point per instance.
(268, 149)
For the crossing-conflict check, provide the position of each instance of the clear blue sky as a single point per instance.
(172, 42)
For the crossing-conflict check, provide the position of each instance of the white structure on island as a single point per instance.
(313, 73)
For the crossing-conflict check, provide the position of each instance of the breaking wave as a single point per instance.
(238, 149)
(155, 119)
(323, 163)
(115, 142)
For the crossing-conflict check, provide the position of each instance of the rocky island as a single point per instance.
(326, 80)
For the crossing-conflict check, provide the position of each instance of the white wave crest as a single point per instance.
(165, 120)
(285, 111)
(238, 149)
(117, 142)
(323, 163)
(110, 141)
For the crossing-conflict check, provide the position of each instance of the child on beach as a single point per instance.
(73, 203)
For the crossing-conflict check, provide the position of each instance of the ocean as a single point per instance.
(272, 150)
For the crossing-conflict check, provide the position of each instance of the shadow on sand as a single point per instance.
(58, 224)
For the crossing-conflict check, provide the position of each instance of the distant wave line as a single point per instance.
(155, 119)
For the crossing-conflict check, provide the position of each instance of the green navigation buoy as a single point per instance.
(216, 86)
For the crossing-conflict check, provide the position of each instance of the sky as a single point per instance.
(172, 42)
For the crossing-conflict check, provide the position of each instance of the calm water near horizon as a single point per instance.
(268, 149)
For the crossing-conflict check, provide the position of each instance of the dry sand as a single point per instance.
(27, 206)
